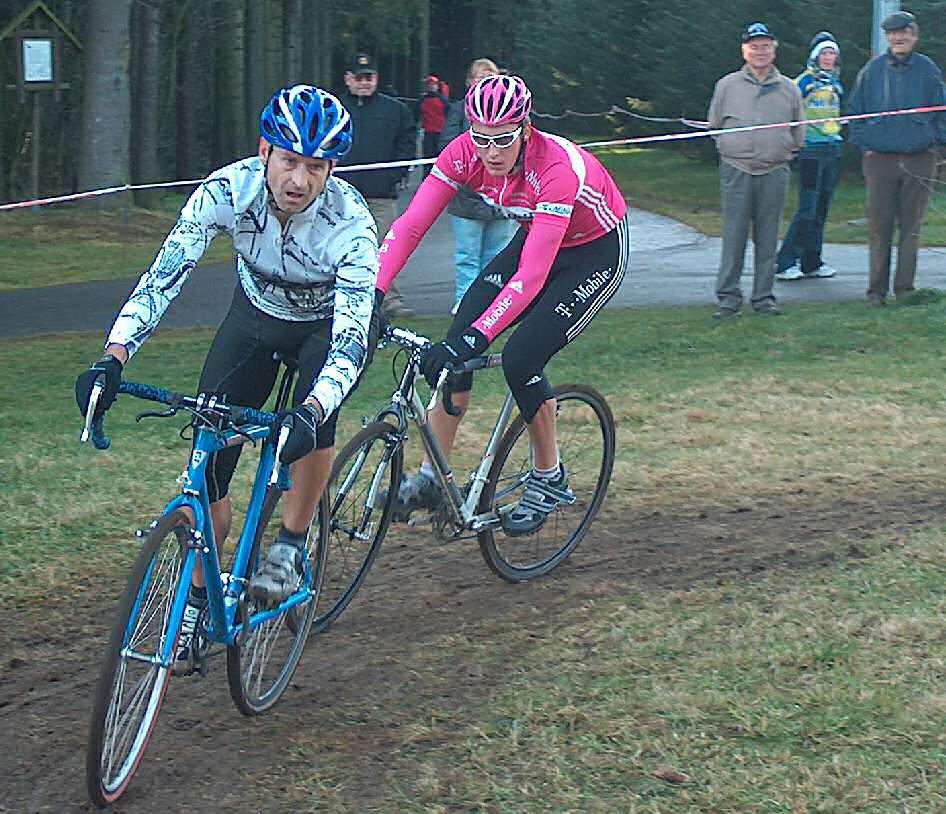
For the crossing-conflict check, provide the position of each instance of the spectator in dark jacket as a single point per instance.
(383, 130)
(898, 159)
(432, 111)
(480, 231)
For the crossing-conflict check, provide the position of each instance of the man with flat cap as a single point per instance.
(382, 130)
(753, 168)
(898, 152)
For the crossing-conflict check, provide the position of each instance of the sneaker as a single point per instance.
(191, 644)
(823, 271)
(539, 499)
(791, 273)
(876, 301)
(280, 576)
(768, 309)
(416, 492)
(725, 313)
(397, 310)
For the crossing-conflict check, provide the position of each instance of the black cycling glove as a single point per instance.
(377, 326)
(302, 423)
(451, 352)
(109, 369)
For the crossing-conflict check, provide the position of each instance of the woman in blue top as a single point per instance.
(819, 163)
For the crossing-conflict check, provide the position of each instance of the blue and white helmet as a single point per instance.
(308, 121)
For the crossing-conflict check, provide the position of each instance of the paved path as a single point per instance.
(671, 264)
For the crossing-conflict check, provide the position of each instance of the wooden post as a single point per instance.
(34, 149)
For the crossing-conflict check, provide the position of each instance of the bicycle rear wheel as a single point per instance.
(133, 681)
(260, 665)
(586, 435)
(363, 488)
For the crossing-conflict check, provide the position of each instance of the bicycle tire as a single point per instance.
(261, 663)
(588, 457)
(355, 468)
(141, 626)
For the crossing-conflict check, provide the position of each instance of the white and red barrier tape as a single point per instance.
(420, 161)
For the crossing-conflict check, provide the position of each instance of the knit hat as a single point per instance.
(824, 45)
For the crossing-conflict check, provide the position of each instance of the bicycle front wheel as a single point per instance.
(585, 430)
(363, 488)
(261, 664)
(134, 676)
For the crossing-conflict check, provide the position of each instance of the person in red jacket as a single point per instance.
(433, 116)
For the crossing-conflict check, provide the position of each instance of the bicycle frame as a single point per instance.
(406, 404)
(223, 596)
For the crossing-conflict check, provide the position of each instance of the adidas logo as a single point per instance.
(495, 279)
(516, 285)
(470, 340)
(534, 380)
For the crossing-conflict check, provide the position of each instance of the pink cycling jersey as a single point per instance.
(560, 193)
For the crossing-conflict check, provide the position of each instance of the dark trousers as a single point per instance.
(818, 171)
(754, 201)
(898, 192)
(431, 148)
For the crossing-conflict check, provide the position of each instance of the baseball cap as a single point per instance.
(362, 63)
(898, 20)
(754, 30)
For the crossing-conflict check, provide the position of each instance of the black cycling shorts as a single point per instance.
(240, 366)
(582, 279)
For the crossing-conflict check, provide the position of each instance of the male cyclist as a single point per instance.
(558, 271)
(306, 260)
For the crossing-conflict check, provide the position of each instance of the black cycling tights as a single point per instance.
(240, 365)
(582, 279)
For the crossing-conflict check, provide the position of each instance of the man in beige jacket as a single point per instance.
(753, 170)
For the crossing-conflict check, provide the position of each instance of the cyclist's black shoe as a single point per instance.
(191, 644)
(280, 576)
(539, 499)
(416, 492)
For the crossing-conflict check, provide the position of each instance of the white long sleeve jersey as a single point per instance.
(321, 265)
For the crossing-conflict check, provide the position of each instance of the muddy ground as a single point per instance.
(355, 688)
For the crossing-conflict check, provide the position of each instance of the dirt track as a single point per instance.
(354, 686)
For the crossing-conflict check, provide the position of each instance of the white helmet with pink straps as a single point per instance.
(497, 100)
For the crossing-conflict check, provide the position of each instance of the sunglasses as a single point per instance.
(502, 141)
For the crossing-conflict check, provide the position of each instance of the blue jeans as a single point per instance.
(477, 242)
(818, 171)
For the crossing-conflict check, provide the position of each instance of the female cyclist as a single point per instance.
(564, 263)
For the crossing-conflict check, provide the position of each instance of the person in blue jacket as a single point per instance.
(898, 152)
(819, 163)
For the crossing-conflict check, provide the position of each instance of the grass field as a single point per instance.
(812, 689)
(687, 189)
(78, 242)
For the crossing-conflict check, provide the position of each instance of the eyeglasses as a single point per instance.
(502, 141)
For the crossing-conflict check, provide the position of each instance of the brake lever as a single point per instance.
(97, 388)
(169, 413)
(441, 379)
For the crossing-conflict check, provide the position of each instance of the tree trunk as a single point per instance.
(236, 141)
(147, 62)
(295, 43)
(275, 57)
(423, 35)
(256, 86)
(106, 112)
(323, 46)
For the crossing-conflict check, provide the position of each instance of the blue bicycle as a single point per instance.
(263, 645)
